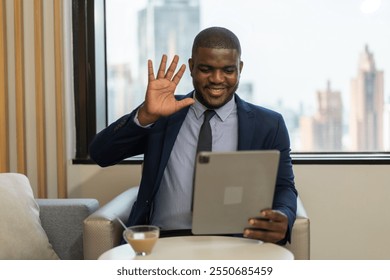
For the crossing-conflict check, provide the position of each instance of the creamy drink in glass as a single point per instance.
(142, 238)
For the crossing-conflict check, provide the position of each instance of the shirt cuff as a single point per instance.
(138, 123)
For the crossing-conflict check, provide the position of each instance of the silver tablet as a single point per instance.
(230, 187)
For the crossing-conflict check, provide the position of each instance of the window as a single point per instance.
(322, 64)
(89, 60)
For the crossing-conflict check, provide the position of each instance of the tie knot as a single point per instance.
(208, 114)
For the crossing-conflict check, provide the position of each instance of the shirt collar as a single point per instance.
(222, 112)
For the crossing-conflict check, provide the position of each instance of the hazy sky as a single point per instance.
(290, 47)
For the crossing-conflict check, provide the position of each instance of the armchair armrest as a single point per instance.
(62, 220)
(102, 231)
(300, 237)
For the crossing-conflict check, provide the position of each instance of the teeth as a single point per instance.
(216, 91)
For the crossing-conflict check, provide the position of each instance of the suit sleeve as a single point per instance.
(120, 140)
(285, 198)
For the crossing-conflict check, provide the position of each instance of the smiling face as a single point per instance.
(215, 74)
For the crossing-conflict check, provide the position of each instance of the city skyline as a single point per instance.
(284, 71)
(276, 36)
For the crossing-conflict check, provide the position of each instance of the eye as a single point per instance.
(204, 69)
(230, 70)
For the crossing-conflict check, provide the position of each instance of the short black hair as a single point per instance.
(216, 38)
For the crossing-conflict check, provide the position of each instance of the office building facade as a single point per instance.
(324, 130)
(367, 104)
(168, 27)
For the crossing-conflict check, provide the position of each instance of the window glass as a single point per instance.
(322, 64)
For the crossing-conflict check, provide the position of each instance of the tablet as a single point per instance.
(230, 187)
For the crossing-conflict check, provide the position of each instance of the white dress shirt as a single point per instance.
(172, 204)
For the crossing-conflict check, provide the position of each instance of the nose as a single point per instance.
(217, 77)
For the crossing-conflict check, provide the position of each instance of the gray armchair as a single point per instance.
(62, 220)
(102, 231)
(28, 224)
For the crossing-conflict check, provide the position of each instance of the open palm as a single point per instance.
(160, 100)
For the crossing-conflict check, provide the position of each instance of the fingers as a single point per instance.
(184, 103)
(270, 227)
(161, 69)
(179, 74)
(265, 236)
(170, 73)
(172, 67)
(150, 71)
(274, 215)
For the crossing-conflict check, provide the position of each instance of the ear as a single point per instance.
(241, 65)
(191, 64)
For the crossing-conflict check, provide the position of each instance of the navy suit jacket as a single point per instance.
(258, 129)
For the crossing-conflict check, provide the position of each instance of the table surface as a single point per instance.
(204, 247)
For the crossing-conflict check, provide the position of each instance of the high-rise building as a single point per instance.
(366, 116)
(324, 130)
(386, 128)
(119, 89)
(329, 120)
(167, 27)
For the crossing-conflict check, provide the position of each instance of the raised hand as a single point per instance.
(159, 99)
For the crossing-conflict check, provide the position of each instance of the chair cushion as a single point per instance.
(21, 234)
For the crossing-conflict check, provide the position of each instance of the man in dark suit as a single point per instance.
(165, 128)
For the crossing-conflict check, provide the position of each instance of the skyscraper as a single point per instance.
(366, 116)
(386, 127)
(119, 87)
(167, 27)
(323, 131)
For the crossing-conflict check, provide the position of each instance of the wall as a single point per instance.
(349, 207)
(101, 183)
(348, 204)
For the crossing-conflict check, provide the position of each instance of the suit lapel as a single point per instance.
(246, 124)
(174, 124)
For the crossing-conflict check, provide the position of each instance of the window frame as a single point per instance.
(85, 99)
